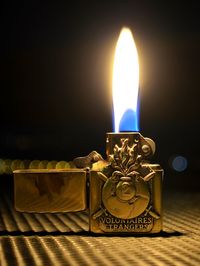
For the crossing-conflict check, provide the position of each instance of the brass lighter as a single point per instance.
(123, 196)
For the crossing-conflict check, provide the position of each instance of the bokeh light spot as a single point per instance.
(179, 163)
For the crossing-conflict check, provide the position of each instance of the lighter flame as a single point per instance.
(125, 80)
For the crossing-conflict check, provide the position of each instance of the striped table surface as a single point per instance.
(63, 239)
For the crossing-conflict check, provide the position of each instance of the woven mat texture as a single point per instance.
(45, 239)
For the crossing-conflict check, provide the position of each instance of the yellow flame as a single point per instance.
(125, 76)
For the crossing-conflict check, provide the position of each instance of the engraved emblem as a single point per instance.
(126, 198)
(125, 194)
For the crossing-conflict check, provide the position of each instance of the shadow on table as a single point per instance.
(163, 234)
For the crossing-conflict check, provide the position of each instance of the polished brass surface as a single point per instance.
(126, 195)
(50, 190)
(125, 192)
(126, 199)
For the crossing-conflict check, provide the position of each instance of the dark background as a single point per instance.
(56, 76)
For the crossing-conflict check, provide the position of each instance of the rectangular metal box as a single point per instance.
(124, 196)
(50, 190)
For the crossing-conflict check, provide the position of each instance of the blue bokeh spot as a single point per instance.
(179, 163)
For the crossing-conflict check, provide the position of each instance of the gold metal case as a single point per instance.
(125, 196)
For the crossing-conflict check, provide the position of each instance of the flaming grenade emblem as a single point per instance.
(126, 193)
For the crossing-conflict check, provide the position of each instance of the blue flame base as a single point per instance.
(129, 121)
